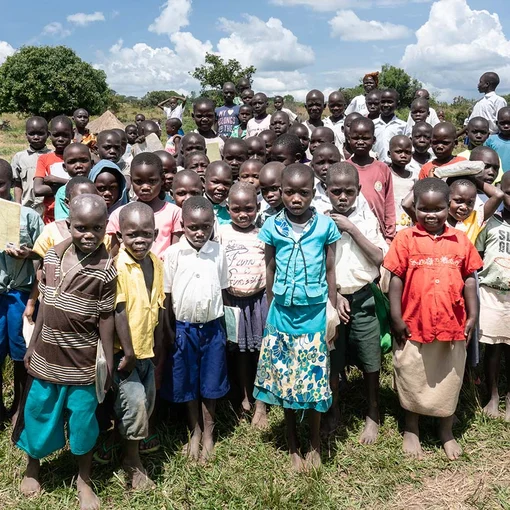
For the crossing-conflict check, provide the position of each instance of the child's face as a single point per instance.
(504, 123)
(81, 189)
(146, 181)
(342, 192)
(61, 136)
(250, 172)
(278, 104)
(256, 148)
(322, 159)
(198, 163)
(443, 143)
(242, 208)
(245, 114)
(373, 102)
(171, 128)
(491, 170)
(279, 124)
(198, 225)
(401, 152)
(5, 185)
(477, 132)
(419, 113)
(431, 211)
(81, 118)
(268, 140)
(361, 139)
(204, 116)
(193, 144)
(283, 154)
(368, 84)
(168, 179)
(87, 228)
(314, 106)
(336, 106)
(320, 136)
(388, 103)
(462, 201)
(137, 234)
(218, 184)
(185, 187)
(259, 105)
(483, 84)
(131, 134)
(77, 161)
(302, 133)
(37, 134)
(110, 148)
(347, 125)
(270, 186)
(421, 139)
(235, 155)
(139, 119)
(108, 187)
(229, 92)
(247, 96)
(297, 194)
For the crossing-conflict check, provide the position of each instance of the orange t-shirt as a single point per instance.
(433, 270)
(50, 164)
(428, 167)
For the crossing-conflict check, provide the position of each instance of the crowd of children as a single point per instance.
(250, 259)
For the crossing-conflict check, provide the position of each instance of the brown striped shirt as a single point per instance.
(65, 352)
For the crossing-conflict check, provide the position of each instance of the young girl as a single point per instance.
(293, 368)
(247, 284)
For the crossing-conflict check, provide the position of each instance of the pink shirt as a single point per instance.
(168, 222)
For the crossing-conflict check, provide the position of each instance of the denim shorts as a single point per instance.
(12, 306)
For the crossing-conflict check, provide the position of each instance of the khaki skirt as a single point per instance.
(494, 316)
(428, 377)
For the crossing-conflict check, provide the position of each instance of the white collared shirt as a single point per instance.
(358, 105)
(432, 119)
(195, 280)
(321, 200)
(337, 128)
(384, 132)
(488, 108)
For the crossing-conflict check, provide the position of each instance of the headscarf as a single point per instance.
(374, 76)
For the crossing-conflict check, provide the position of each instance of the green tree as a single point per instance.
(392, 77)
(154, 97)
(48, 81)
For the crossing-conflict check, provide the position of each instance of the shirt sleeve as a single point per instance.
(396, 260)
(15, 167)
(121, 285)
(158, 281)
(176, 219)
(169, 266)
(333, 234)
(266, 234)
(61, 209)
(424, 172)
(107, 300)
(473, 261)
(41, 169)
(223, 270)
(482, 239)
(36, 226)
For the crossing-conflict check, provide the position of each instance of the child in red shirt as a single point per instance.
(433, 306)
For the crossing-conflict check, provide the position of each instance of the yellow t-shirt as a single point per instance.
(142, 312)
(472, 225)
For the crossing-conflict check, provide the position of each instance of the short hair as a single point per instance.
(204, 101)
(455, 182)
(141, 208)
(352, 116)
(77, 181)
(483, 120)
(133, 126)
(422, 124)
(191, 155)
(329, 146)
(120, 132)
(292, 142)
(101, 137)
(267, 132)
(246, 106)
(229, 83)
(342, 168)
(324, 130)
(217, 165)
(150, 126)
(431, 185)
(399, 138)
(314, 92)
(140, 115)
(235, 141)
(298, 170)
(7, 168)
(190, 174)
(38, 120)
(196, 203)
(391, 91)
(373, 92)
(243, 187)
(149, 159)
(281, 113)
(61, 119)
(478, 152)
(262, 95)
(188, 136)
(253, 139)
(363, 121)
(492, 78)
(420, 101)
(445, 126)
(273, 166)
(251, 162)
(174, 120)
(279, 98)
(76, 145)
(80, 109)
(296, 127)
(505, 109)
(337, 93)
(422, 93)
(95, 202)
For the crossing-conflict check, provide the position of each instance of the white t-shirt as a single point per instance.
(176, 113)
(255, 126)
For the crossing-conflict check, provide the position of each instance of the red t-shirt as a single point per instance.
(50, 164)
(433, 270)
(428, 167)
(377, 188)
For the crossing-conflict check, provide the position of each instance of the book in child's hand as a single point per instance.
(232, 318)
(10, 219)
(459, 169)
(28, 330)
(101, 372)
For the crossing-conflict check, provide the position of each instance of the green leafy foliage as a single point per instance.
(392, 77)
(47, 81)
(154, 97)
(351, 92)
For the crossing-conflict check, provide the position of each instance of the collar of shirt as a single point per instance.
(185, 246)
(44, 150)
(490, 94)
(448, 232)
(393, 120)
(282, 223)
(127, 259)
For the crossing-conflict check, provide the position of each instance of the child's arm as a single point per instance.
(390, 216)
(106, 333)
(495, 195)
(164, 102)
(18, 191)
(35, 336)
(400, 330)
(159, 348)
(408, 206)
(177, 143)
(41, 189)
(127, 363)
(168, 322)
(330, 272)
(471, 300)
(270, 254)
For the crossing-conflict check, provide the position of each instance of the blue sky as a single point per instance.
(295, 44)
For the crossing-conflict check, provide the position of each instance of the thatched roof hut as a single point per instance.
(105, 121)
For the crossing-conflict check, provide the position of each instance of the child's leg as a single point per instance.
(3, 410)
(30, 484)
(491, 363)
(20, 379)
(411, 443)
(507, 399)
(451, 447)
(313, 457)
(87, 497)
(259, 419)
(208, 415)
(192, 448)
(244, 374)
(292, 440)
(369, 434)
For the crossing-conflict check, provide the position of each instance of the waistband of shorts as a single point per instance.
(199, 325)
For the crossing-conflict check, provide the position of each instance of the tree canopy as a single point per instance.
(48, 81)
(392, 77)
(154, 97)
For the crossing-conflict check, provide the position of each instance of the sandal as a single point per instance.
(154, 439)
(104, 454)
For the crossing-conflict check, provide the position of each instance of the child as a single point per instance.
(174, 110)
(270, 180)
(109, 146)
(433, 306)
(477, 134)
(204, 117)
(314, 104)
(139, 118)
(195, 276)
(77, 162)
(420, 111)
(500, 142)
(432, 118)
(268, 136)
(493, 243)
(336, 105)
(24, 163)
(190, 142)
(244, 115)
(110, 183)
(147, 181)
(227, 115)
(250, 172)
(169, 171)
(138, 324)
(387, 125)
(77, 298)
(279, 123)
(81, 133)
(49, 173)
(173, 126)
(346, 148)
(186, 184)
(218, 181)
(287, 149)
(235, 153)
(375, 176)
(443, 143)
(261, 118)
(196, 161)
(278, 106)
(373, 104)
(402, 176)
(301, 131)
(324, 157)
(490, 104)
(321, 134)
(131, 135)
(358, 104)
(18, 277)
(247, 96)
(293, 368)
(421, 137)
(246, 287)
(256, 148)
(243, 86)
(358, 257)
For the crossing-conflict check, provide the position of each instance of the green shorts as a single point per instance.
(358, 342)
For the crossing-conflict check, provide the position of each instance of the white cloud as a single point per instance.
(349, 27)
(81, 19)
(6, 50)
(333, 5)
(174, 15)
(269, 46)
(56, 29)
(455, 46)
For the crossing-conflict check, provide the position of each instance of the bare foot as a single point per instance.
(192, 449)
(30, 487)
(369, 434)
(207, 450)
(87, 497)
(138, 477)
(313, 459)
(452, 449)
(298, 463)
(507, 404)
(492, 408)
(330, 422)
(246, 405)
(412, 446)
(259, 420)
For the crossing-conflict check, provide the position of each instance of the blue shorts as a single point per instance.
(12, 306)
(46, 409)
(197, 365)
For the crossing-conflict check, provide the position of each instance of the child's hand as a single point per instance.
(27, 357)
(22, 252)
(468, 329)
(343, 223)
(400, 332)
(343, 308)
(127, 363)
(50, 180)
(29, 310)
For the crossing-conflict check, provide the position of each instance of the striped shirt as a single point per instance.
(65, 352)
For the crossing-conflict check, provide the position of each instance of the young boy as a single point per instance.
(373, 104)
(138, 324)
(243, 87)
(490, 104)
(244, 115)
(268, 136)
(169, 171)
(247, 96)
(387, 125)
(477, 134)
(500, 142)
(280, 123)
(24, 164)
(432, 118)
(287, 149)
(324, 157)
(49, 173)
(433, 306)
(314, 104)
(227, 115)
(261, 118)
(420, 111)
(77, 299)
(270, 180)
(320, 135)
(279, 107)
(196, 161)
(250, 172)
(172, 126)
(131, 134)
(421, 137)
(346, 148)
(375, 176)
(235, 153)
(81, 133)
(301, 131)
(358, 257)
(218, 181)
(174, 110)
(336, 105)
(195, 277)
(204, 117)
(256, 148)
(190, 142)
(187, 183)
